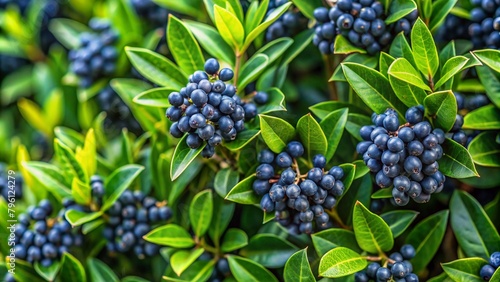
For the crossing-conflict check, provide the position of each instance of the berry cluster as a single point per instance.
(488, 269)
(208, 109)
(129, 219)
(298, 200)
(289, 24)
(148, 10)
(405, 156)
(485, 27)
(118, 114)
(40, 238)
(10, 188)
(50, 10)
(96, 57)
(465, 105)
(361, 22)
(399, 268)
(453, 28)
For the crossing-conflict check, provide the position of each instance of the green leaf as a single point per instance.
(99, 271)
(450, 68)
(484, 118)
(50, 176)
(188, 7)
(171, 235)
(274, 50)
(243, 192)
(71, 269)
(323, 109)
(341, 262)
(371, 231)
(307, 7)
(276, 132)
(69, 137)
(312, 136)
(246, 270)
(81, 192)
(67, 159)
(223, 213)
(489, 57)
(385, 61)
(67, 32)
(181, 260)
(384, 193)
(426, 237)
(183, 46)
(243, 139)
(456, 161)
(401, 49)
(156, 67)
(464, 270)
(252, 69)
(198, 271)
(48, 273)
(233, 240)
(441, 107)
(225, 180)
(491, 83)
(333, 128)
(300, 42)
(373, 88)
(259, 250)
(230, 27)
(362, 59)
(77, 218)
(183, 157)
(200, 212)
(424, 49)
(326, 240)
(276, 102)
(211, 41)
(409, 94)
(484, 150)
(119, 181)
(255, 14)
(271, 17)
(399, 221)
(398, 9)
(472, 227)
(440, 10)
(343, 46)
(403, 70)
(156, 97)
(297, 268)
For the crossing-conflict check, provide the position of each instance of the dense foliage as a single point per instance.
(247, 140)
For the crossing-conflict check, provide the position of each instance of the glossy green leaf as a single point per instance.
(384, 193)
(181, 260)
(464, 270)
(71, 167)
(490, 82)
(183, 46)
(312, 136)
(440, 10)
(343, 46)
(119, 181)
(276, 132)
(307, 7)
(441, 107)
(300, 42)
(156, 97)
(252, 69)
(456, 161)
(211, 41)
(274, 50)
(424, 49)
(243, 192)
(233, 240)
(323, 109)
(48, 273)
(50, 176)
(183, 157)
(385, 61)
(71, 269)
(171, 235)
(340, 262)
(200, 212)
(426, 237)
(198, 271)
(401, 49)
(246, 270)
(371, 231)
(156, 68)
(373, 88)
(484, 118)
(451, 68)
(297, 268)
(326, 240)
(489, 57)
(77, 218)
(472, 227)
(99, 271)
(362, 59)
(259, 250)
(275, 103)
(409, 94)
(223, 213)
(255, 14)
(399, 221)
(333, 128)
(225, 180)
(81, 192)
(67, 31)
(484, 150)
(230, 27)
(398, 9)
(404, 71)
(188, 7)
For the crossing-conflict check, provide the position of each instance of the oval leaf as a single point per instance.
(233, 240)
(297, 268)
(484, 150)
(259, 250)
(464, 270)
(399, 221)
(276, 132)
(183, 46)
(312, 136)
(341, 262)
(200, 212)
(246, 270)
(371, 231)
(441, 107)
(484, 118)
(183, 157)
(171, 235)
(243, 192)
(456, 161)
(424, 49)
(333, 127)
